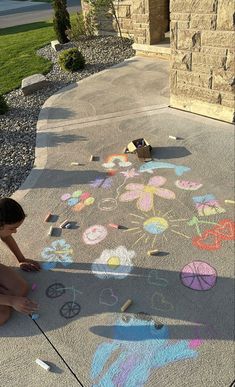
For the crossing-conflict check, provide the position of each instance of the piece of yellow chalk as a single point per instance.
(126, 305)
(152, 252)
(229, 201)
(74, 163)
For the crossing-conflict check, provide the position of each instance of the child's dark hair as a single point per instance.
(10, 212)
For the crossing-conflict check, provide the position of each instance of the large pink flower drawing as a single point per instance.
(145, 193)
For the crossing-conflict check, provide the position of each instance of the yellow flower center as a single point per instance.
(150, 188)
(113, 262)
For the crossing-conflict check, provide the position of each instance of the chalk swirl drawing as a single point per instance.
(207, 205)
(116, 159)
(116, 263)
(94, 234)
(139, 346)
(159, 302)
(110, 204)
(212, 239)
(145, 193)
(71, 308)
(152, 165)
(107, 297)
(198, 275)
(59, 252)
(154, 279)
(100, 182)
(78, 200)
(188, 185)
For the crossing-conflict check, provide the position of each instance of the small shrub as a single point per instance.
(3, 105)
(71, 60)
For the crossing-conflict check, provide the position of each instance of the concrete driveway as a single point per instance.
(179, 329)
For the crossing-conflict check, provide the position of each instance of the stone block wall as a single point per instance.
(202, 57)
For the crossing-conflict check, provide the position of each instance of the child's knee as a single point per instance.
(22, 288)
(5, 314)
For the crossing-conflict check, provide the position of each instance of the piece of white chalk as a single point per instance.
(64, 223)
(50, 231)
(43, 365)
(173, 137)
(74, 163)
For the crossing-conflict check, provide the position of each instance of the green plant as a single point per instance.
(3, 105)
(61, 20)
(71, 60)
(77, 27)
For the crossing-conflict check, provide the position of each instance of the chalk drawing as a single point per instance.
(59, 252)
(105, 183)
(151, 228)
(196, 222)
(139, 346)
(207, 205)
(116, 159)
(107, 297)
(159, 302)
(71, 308)
(78, 200)
(94, 234)
(154, 279)
(145, 193)
(116, 263)
(130, 173)
(198, 275)
(212, 239)
(188, 185)
(152, 165)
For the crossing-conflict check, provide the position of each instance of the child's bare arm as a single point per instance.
(21, 304)
(25, 264)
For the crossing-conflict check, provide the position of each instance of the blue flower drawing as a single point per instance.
(58, 252)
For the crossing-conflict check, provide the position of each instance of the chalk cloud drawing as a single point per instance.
(188, 185)
(198, 275)
(207, 205)
(107, 297)
(94, 234)
(145, 193)
(71, 308)
(139, 347)
(116, 159)
(78, 200)
(212, 239)
(59, 252)
(116, 263)
(152, 165)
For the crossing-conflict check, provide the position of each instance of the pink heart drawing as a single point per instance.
(107, 297)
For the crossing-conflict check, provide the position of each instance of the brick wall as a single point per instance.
(202, 57)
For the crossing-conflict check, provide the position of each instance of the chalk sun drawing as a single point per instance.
(116, 159)
(207, 205)
(198, 275)
(140, 346)
(116, 263)
(59, 252)
(145, 193)
(94, 234)
(188, 185)
(147, 228)
(107, 297)
(152, 165)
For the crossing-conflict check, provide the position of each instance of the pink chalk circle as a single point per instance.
(94, 234)
(65, 197)
(76, 194)
(198, 275)
(89, 201)
(85, 196)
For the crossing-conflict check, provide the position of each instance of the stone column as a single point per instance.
(202, 57)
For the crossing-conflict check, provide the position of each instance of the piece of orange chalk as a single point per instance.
(152, 252)
(47, 217)
(126, 305)
(113, 225)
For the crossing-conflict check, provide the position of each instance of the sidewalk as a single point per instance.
(179, 329)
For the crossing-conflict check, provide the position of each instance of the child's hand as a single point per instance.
(29, 265)
(24, 305)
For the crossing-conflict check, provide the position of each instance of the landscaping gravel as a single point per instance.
(18, 125)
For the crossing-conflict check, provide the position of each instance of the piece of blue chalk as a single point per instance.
(34, 316)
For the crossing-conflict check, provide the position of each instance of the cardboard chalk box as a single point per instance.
(141, 147)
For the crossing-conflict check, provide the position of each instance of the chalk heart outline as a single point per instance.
(159, 302)
(225, 229)
(154, 279)
(203, 241)
(107, 297)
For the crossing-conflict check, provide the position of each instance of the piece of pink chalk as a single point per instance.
(34, 286)
(195, 343)
(113, 225)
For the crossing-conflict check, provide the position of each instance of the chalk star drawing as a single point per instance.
(154, 226)
(152, 165)
(70, 309)
(112, 160)
(188, 185)
(59, 252)
(207, 205)
(145, 193)
(198, 275)
(139, 346)
(116, 263)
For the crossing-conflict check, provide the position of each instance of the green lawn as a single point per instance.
(18, 59)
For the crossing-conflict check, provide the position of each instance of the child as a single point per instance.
(13, 288)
